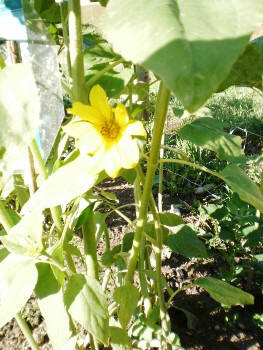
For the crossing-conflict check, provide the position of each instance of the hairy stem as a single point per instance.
(160, 115)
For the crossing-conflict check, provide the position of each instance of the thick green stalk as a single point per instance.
(165, 321)
(76, 51)
(7, 223)
(159, 120)
(55, 212)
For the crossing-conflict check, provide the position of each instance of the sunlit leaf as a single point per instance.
(87, 304)
(65, 184)
(127, 297)
(209, 133)
(25, 238)
(18, 275)
(50, 301)
(19, 116)
(190, 44)
(224, 293)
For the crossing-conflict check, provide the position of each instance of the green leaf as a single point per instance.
(65, 184)
(109, 195)
(244, 72)
(185, 242)
(25, 238)
(127, 297)
(190, 44)
(128, 175)
(240, 183)
(170, 219)
(47, 9)
(18, 276)
(224, 293)
(50, 301)
(87, 304)
(19, 116)
(119, 339)
(58, 255)
(208, 133)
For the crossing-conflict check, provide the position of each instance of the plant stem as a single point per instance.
(97, 76)
(160, 189)
(26, 331)
(160, 115)
(158, 259)
(185, 162)
(143, 282)
(55, 212)
(76, 51)
(90, 248)
(64, 14)
(7, 222)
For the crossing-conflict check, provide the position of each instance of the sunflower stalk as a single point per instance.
(159, 120)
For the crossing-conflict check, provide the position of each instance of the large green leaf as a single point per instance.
(87, 304)
(224, 293)
(50, 301)
(248, 70)
(208, 132)
(186, 242)
(19, 116)
(18, 276)
(25, 238)
(127, 297)
(65, 184)
(190, 44)
(240, 183)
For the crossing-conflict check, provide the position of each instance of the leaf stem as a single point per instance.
(55, 212)
(160, 115)
(185, 162)
(26, 331)
(97, 76)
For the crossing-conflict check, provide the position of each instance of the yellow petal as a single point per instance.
(112, 162)
(135, 128)
(88, 138)
(129, 152)
(87, 113)
(121, 115)
(98, 100)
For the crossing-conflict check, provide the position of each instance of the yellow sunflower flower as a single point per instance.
(106, 133)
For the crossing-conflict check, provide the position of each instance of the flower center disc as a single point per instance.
(110, 130)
